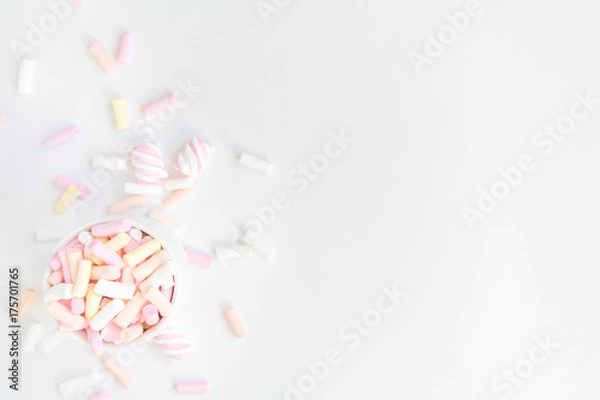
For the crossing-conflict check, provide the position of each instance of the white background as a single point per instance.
(387, 211)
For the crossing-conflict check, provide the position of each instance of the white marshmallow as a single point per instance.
(225, 253)
(258, 244)
(32, 336)
(256, 163)
(62, 291)
(47, 344)
(106, 314)
(26, 73)
(114, 290)
(181, 183)
(146, 189)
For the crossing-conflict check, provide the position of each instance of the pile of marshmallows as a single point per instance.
(112, 282)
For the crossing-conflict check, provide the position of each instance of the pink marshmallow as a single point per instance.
(192, 387)
(54, 263)
(107, 255)
(159, 104)
(94, 338)
(125, 48)
(198, 258)
(111, 228)
(66, 269)
(102, 395)
(62, 137)
(56, 277)
(77, 305)
(64, 182)
(150, 314)
(111, 332)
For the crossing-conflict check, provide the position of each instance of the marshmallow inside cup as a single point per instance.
(127, 273)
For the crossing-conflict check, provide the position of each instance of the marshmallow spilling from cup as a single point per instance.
(114, 281)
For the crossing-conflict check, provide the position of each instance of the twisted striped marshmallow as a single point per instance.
(173, 343)
(193, 158)
(146, 160)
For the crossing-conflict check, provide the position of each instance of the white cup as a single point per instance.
(170, 243)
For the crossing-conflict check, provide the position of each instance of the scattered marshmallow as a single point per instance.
(235, 323)
(125, 48)
(128, 203)
(180, 183)
(119, 108)
(62, 137)
(104, 60)
(198, 258)
(226, 253)
(255, 163)
(146, 189)
(192, 160)
(26, 74)
(258, 244)
(161, 216)
(67, 199)
(32, 336)
(192, 387)
(159, 104)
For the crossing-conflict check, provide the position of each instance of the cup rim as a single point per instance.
(141, 223)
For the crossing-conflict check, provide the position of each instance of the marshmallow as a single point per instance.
(64, 182)
(92, 303)
(132, 332)
(141, 253)
(79, 383)
(106, 314)
(73, 258)
(49, 343)
(26, 74)
(55, 277)
(258, 244)
(114, 290)
(164, 218)
(159, 104)
(85, 238)
(176, 196)
(143, 270)
(25, 302)
(67, 199)
(192, 387)
(63, 315)
(110, 163)
(77, 305)
(132, 308)
(173, 343)
(109, 272)
(255, 163)
(118, 372)
(32, 336)
(160, 276)
(111, 228)
(146, 159)
(83, 278)
(104, 60)
(146, 189)
(62, 137)
(198, 258)
(126, 204)
(180, 183)
(95, 340)
(111, 332)
(235, 323)
(154, 296)
(62, 291)
(135, 234)
(119, 108)
(150, 314)
(105, 254)
(62, 256)
(226, 253)
(192, 160)
(125, 48)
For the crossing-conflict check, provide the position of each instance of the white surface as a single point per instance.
(387, 210)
